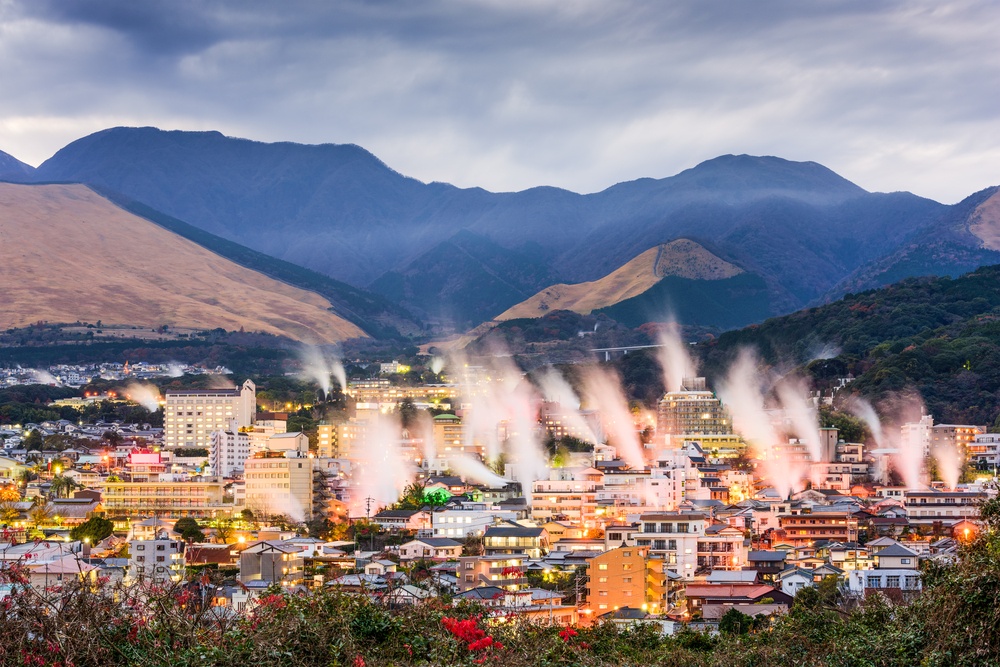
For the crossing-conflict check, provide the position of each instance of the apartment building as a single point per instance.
(692, 411)
(326, 436)
(512, 539)
(504, 571)
(569, 495)
(467, 519)
(279, 482)
(807, 528)
(690, 544)
(228, 451)
(160, 559)
(924, 508)
(627, 577)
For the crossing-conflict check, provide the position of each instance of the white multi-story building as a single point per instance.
(265, 425)
(158, 560)
(689, 544)
(569, 494)
(467, 520)
(984, 450)
(948, 507)
(228, 451)
(190, 417)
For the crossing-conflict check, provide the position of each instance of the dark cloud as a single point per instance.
(512, 93)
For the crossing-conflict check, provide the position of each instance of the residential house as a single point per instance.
(896, 574)
(808, 528)
(690, 544)
(275, 562)
(430, 548)
(507, 572)
(159, 559)
(513, 539)
(418, 521)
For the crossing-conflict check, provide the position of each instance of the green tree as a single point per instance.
(412, 498)
(223, 530)
(735, 622)
(94, 529)
(112, 437)
(33, 441)
(189, 530)
(61, 486)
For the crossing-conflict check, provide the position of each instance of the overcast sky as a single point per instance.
(508, 94)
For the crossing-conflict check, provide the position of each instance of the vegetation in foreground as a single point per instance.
(955, 621)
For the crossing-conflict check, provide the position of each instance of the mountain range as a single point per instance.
(431, 256)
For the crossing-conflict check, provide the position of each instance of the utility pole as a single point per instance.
(368, 519)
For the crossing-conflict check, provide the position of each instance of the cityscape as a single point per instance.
(475, 333)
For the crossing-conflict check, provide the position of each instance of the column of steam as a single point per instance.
(741, 393)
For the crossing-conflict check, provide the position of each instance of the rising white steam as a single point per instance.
(146, 395)
(602, 391)
(742, 394)
(792, 395)
(319, 365)
(383, 473)
(555, 389)
(673, 356)
(473, 470)
(864, 411)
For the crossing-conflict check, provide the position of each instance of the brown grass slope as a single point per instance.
(985, 222)
(68, 254)
(682, 258)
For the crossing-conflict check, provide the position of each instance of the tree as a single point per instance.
(189, 530)
(33, 441)
(61, 486)
(249, 517)
(407, 412)
(25, 475)
(735, 622)
(112, 437)
(94, 529)
(223, 530)
(8, 512)
(473, 546)
(39, 515)
(412, 498)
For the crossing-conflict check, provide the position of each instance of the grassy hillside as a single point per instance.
(376, 315)
(682, 258)
(81, 258)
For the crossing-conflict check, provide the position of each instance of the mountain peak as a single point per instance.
(752, 172)
(13, 169)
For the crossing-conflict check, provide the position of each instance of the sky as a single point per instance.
(510, 94)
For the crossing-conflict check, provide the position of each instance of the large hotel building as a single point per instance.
(190, 417)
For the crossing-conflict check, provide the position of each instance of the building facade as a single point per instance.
(190, 417)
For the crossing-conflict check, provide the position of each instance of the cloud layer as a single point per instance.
(509, 94)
